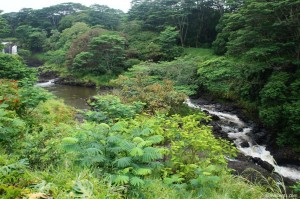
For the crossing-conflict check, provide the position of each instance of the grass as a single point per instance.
(199, 52)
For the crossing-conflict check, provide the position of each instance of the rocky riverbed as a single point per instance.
(249, 136)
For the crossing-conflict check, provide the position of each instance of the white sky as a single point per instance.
(16, 5)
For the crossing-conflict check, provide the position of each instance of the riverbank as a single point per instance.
(258, 134)
(252, 142)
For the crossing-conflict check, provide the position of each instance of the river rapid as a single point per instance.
(236, 129)
(240, 132)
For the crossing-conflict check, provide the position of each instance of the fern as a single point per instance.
(142, 171)
(70, 144)
(118, 127)
(123, 162)
(156, 139)
(126, 146)
(138, 140)
(113, 139)
(137, 151)
(120, 179)
(136, 181)
(151, 154)
(93, 151)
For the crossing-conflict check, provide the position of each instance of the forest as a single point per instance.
(139, 139)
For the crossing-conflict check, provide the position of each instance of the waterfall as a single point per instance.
(239, 132)
(46, 84)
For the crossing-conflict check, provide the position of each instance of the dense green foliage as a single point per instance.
(12, 67)
(124, 153)
(268, 71)
(141, 140)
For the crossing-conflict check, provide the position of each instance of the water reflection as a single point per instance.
(72, 95)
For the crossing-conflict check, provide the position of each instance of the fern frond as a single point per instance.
(91, 160)
(70, 140)
(70, 144)
(138, 140)
(93, 151)
(96, 145)
(146, 131)
(156, 139)
(142, 171)
(136, 152)
(103, 128)
(118, 127)
(113, 139)
(123, 162)
(151, 154)
(156, 165)
(121, 179)
(127, 146)
(136, 181)
(71, 147)
(115, 150)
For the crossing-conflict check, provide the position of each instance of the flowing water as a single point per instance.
(237, 129)
(75, 96)
(239, 132)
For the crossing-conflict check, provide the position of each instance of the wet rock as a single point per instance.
(249, 170)
(206, 112)
(204, 122)
(46, 76)
(263, 164)
(217, 131)
(260, 136)
(284, 155)
(245, 144)
(215, 117)
(71, 81)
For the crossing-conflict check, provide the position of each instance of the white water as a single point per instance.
(239, 131)
(46, 84)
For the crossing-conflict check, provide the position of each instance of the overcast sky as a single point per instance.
(16, 5)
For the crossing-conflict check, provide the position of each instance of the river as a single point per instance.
(236, 129)
(240, 132)
(74, 96)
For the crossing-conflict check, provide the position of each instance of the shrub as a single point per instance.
(158, 97)
(12, 67)
(107, 108)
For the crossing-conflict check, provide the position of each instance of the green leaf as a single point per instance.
(156, 139)
(83, 189)
(123, 162)
(142, 171)
(136, 152)
(121, 180)
(138, 140)
(136, 181)
(69, 140)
